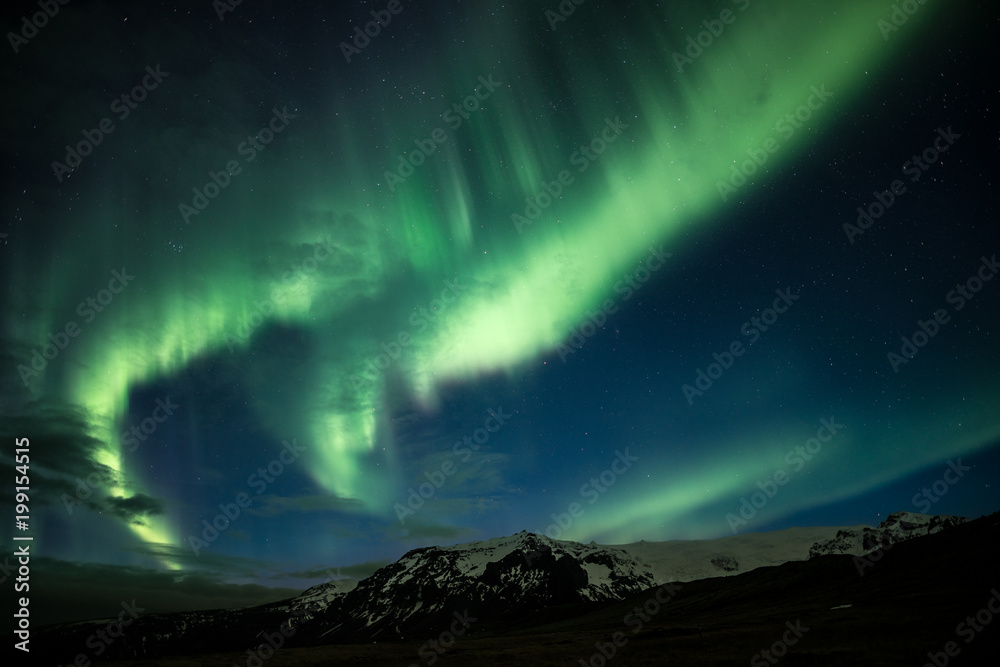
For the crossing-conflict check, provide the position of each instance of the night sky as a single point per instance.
(441, 283)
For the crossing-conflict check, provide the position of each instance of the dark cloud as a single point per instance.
(206, 560)
(273, 505)
(58, 434)
(135, 508)
(64, 591)
(421, 530)
(355, 571)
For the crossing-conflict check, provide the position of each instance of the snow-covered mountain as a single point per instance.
(688, 560)
(488, 582)
(505, 576)
(320, 597)
(487, 579)
(898, 527)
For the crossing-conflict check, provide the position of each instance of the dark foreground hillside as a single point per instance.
(912, 601)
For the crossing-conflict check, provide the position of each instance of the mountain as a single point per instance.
(489, 579)
(507, 576)
(687, 560)
(505, 585)
(318, 598)
(898, 527)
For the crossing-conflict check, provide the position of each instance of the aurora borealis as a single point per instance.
(430, 288)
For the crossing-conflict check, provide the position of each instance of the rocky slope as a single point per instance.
(468, 588)
(898, 527)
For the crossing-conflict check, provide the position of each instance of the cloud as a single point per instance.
(63, 466)
(355, 571)
(422, 530)
(135, 508)
(207, 560)
(71, 591)
(273, 505)
(59, 432)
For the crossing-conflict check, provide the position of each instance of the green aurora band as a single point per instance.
(522, 292)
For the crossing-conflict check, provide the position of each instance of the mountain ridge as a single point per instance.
(489, 583)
